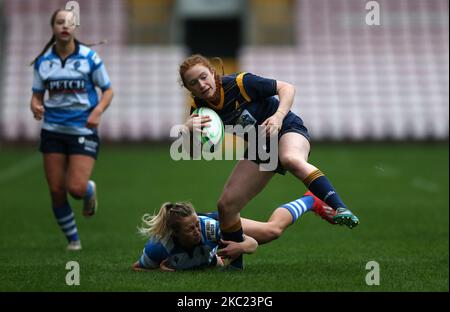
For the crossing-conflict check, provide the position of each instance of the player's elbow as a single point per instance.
(110, 93)
(285, 87)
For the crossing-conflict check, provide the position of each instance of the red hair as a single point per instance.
(196, 59)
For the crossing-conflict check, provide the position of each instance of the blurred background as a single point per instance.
(374, 98)
(354, 81)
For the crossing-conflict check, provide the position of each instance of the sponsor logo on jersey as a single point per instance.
(66, 86)
(210, 230)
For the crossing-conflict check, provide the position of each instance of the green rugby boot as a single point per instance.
(345, 217)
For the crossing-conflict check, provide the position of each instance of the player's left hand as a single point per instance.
(164, 266)
(94, 119)
(272, 124)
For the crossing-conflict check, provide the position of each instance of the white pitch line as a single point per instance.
(19, 168)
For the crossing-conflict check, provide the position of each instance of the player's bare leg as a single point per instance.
(265, 232)
(293, 152)
(79, 186)
(245, 182)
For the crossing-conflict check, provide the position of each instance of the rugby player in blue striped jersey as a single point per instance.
(179, 238)
(69, 72)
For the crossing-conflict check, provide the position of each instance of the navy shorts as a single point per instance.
(68, 144)
(291, 123)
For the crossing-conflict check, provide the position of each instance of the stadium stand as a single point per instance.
(356, 81)
(353, 81)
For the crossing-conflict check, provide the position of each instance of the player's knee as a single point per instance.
(57, 190)
(221, 206)
(274, 233)
(226, 206)
(293, 162)
(77, 190)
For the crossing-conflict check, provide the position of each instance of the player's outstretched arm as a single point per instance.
(163, 266)
(136, 267)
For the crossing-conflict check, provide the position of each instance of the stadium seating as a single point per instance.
(148, 99)
(356, 81)
(353, 81)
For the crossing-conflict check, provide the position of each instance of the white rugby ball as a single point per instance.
(214, 133)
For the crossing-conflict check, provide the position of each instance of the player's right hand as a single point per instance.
(37, 110)
(197, 123)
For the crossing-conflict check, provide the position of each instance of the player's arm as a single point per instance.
(138, 268)
(153, 254)
(100, 78)
(162, 266)
(235, 249)
(194, 123)
(105, 101)
(286, 93)
(37, 105)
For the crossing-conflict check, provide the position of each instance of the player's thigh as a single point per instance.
(55, 165)
(79, 170)
(293, 143)
(294, 152)
(244, 183)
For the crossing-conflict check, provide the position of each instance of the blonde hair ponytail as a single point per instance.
(162, 225)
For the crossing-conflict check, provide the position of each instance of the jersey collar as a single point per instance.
(75, 52)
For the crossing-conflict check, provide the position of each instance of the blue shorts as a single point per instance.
(68, 144)
(291, 123)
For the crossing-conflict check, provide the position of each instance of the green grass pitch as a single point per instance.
(399, 192)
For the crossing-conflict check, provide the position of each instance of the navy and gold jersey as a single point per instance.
(245, 99)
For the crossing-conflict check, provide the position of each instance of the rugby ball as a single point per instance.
(214, 134)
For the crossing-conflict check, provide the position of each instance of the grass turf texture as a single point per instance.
(399, 192)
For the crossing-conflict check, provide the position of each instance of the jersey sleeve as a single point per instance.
(255, 87)
(38, 83)
(152, 255)
(100, 76)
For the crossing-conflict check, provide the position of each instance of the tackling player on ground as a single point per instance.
(181, 239)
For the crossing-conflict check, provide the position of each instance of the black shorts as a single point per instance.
(68, 144)
(291, 123)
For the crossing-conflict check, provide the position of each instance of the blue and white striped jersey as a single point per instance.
(71, 88)
(202, 255)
